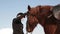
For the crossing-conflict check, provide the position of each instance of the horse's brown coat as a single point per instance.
(31, 23)
(41, 13)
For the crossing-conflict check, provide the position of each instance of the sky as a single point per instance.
(10, 8)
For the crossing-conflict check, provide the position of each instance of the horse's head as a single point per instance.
(32, 21)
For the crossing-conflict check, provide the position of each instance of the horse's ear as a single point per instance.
(29, 7)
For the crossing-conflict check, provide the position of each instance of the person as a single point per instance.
(55, 19)
(56, 13)
(17, 24)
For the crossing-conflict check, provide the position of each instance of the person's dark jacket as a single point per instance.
(17, 26)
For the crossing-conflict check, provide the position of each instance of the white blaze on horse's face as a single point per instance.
(57, 15)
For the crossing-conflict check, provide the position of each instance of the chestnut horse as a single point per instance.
(45, 16)
(39, 15)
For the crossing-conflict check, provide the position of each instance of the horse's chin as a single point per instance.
(29, 30)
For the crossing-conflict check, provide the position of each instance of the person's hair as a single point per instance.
(19, 14)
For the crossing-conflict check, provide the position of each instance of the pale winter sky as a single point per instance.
(10, 8)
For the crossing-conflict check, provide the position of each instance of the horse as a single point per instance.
(38, 15)
(41, 15)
